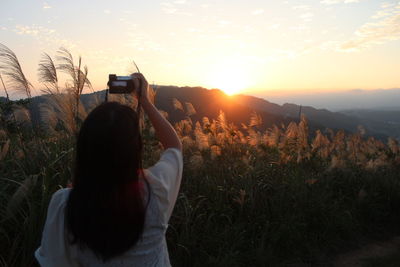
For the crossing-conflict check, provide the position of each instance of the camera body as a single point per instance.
(121, 84)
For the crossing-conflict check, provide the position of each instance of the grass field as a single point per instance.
(284, 196)
(247, 198)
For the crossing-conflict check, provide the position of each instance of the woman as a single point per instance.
(116, 214)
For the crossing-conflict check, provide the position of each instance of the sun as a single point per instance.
(228, 77)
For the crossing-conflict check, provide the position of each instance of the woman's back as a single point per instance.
(151, 250)
(115, 214)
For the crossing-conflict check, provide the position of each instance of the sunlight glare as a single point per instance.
(230, 77)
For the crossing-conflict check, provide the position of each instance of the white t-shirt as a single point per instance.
(151, 250)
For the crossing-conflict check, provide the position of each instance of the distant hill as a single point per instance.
(238, 109)
(383, 121)
(378, 99)
(208, 103)
(333, 120)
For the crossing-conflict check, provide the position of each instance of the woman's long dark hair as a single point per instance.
(105, 211)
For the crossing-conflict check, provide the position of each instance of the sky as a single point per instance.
(239, 46)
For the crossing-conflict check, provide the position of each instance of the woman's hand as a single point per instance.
(164, 130)
(140, 82)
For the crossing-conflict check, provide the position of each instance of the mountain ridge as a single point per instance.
(238, 109)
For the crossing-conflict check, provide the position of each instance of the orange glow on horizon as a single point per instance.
(229, 76)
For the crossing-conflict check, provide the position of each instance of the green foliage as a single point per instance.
(247, 197)
(7, 117)
(232, 210)
(30, 173)
(392, 260)
(267, 214)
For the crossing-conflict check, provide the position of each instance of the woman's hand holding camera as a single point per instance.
(164, 130)
(141, 87)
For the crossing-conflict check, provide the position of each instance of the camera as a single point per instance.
(121, 84)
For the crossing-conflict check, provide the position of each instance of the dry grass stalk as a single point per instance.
(201, 138)
(215, 151)
(4, 150)
(339, 150)
(311, 181)
(78, 76)
(187, 142)
(255, 119)
(190, 110)
(222, 122)
(22, 116)
(206, 122)
(61, 108)
(4, 88)
(64, 105)
(12, 70)
(47, 73)
(393, 144)
(164, 113)
(337, 163)
(254, 137)
(272, 136)
(20, 194)
(241, 198)
(177, 105)
(196, 161)
(3, 135)
(48, 116)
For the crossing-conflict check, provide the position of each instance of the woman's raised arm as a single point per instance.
(164, 130)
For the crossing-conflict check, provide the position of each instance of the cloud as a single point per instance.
(33, 30)
(302, 7)
(142, 41)
(171, 8)
(306, 16)
(224, 22)
(274, 26)
(386, 29)
(46, 6)
(299, 28)
(332, 2)
(107, 11)
(44, 35)
(258, 11)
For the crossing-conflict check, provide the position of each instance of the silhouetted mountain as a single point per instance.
(208, 103)
(384, 121)
(333, 120)
(238, 109)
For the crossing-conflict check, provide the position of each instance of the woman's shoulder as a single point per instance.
(60, 193)
(59, 197)
(167, 171)
(170, 158)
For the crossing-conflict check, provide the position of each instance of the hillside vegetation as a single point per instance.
(251, 195)
(237, 108)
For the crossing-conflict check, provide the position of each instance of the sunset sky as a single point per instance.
(250, 46)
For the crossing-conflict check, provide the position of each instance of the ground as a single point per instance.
(382, 253)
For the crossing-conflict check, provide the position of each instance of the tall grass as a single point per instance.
(248, 198)
(11, 68)
(4, 88)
